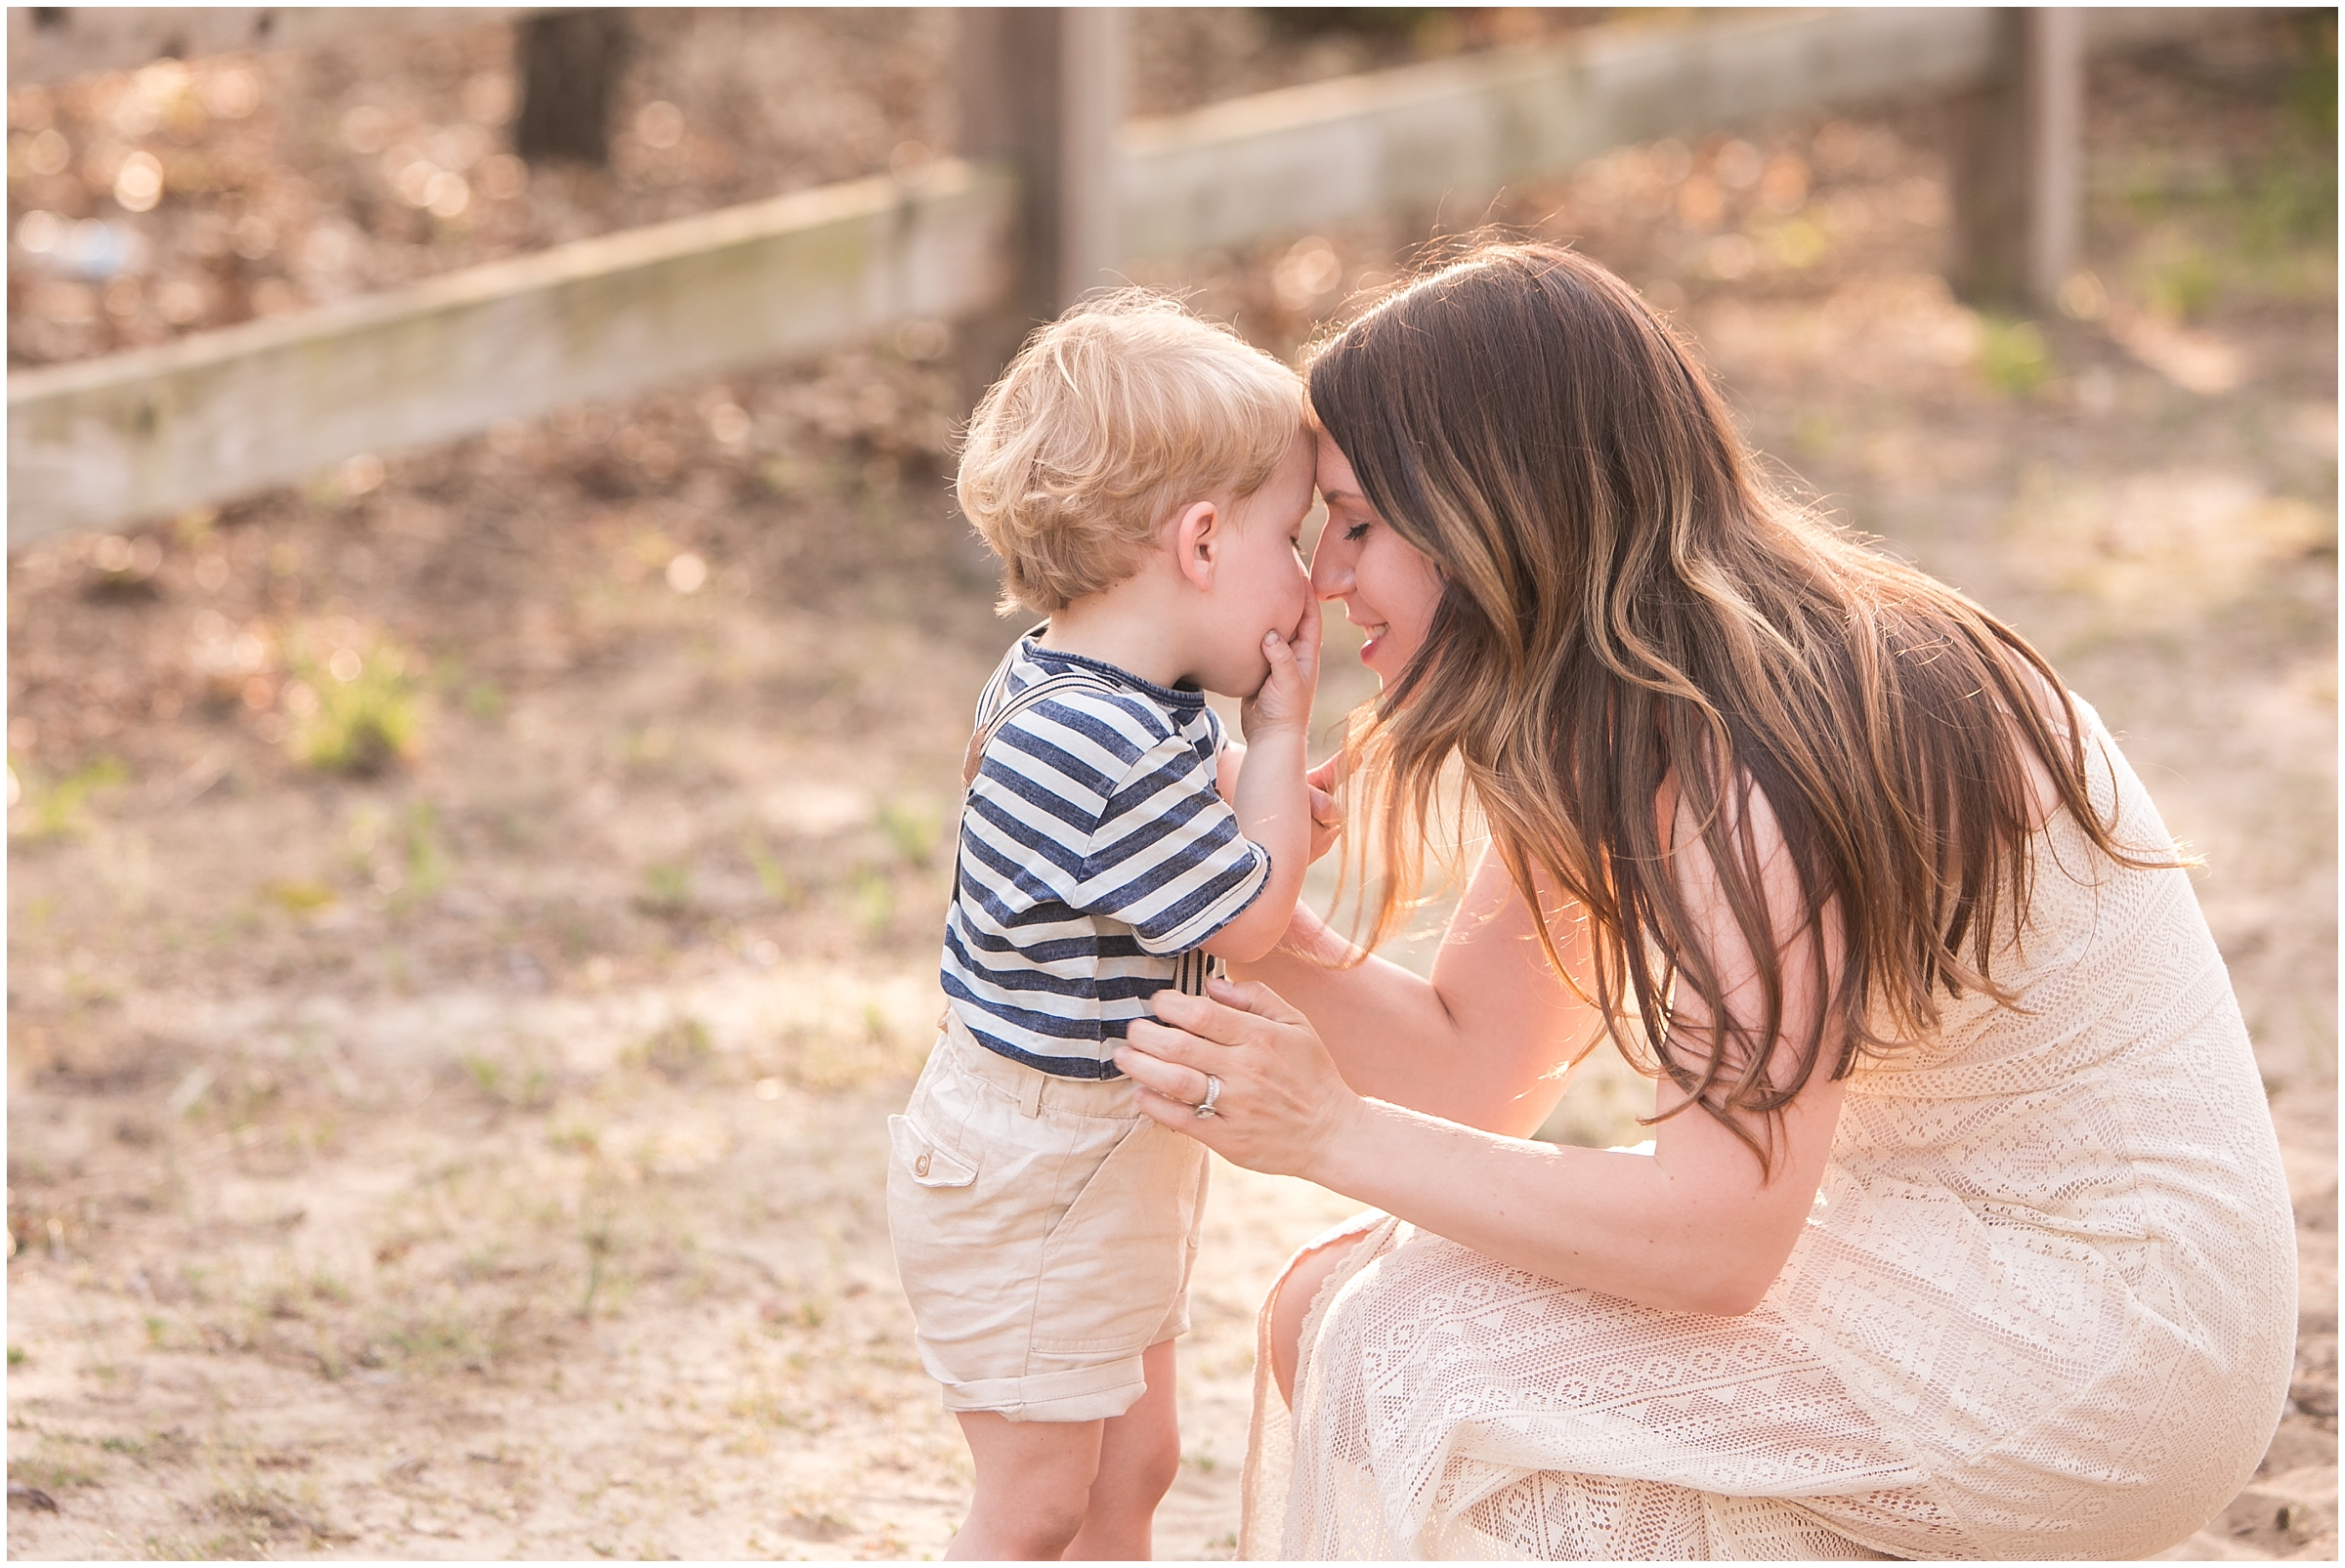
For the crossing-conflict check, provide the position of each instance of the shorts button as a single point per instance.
(920, 1167)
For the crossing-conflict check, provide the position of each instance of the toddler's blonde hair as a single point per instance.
(1122, 409)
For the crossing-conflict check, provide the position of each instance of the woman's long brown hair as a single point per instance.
(1626, 607)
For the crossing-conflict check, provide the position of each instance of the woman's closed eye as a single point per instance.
(1355, 533)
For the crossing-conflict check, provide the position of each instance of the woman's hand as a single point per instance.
(1327, 818)
(1282, 1105)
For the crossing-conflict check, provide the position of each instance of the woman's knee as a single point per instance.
(1291, 1303)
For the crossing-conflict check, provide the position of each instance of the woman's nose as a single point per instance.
(1331, 568)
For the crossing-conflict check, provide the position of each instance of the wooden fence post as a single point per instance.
(569, 62)
(1041, 91)
(2054, 58)
(2017, 154)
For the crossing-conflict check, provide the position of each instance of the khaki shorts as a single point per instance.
(1044, 1230)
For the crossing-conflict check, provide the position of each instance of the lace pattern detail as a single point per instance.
(2044, 1306)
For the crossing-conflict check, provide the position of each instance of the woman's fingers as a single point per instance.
(1172, 1045)
(1232, 1013)
(1253, 997)
(1328, 775)
(1327, 822)
(1160, 1074)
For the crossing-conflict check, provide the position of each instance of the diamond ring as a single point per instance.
(1213, 1092)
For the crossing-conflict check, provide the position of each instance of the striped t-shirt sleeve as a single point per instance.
(1120, 819)
(1167, 859)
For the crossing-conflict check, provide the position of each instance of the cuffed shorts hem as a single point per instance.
(1084, 1394)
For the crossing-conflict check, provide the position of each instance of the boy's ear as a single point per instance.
(1197, 542)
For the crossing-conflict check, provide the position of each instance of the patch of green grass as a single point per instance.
(2183, 284)
(575, 1137)
(221, 1548)
(909, 829)
(526, 1086)
(678, 1050)
(770, 875)
(257, 1509)
(874, 902)
(427, 858)
(441, 1336)
(55, 1467)
(300, 897)
(362, 715)
(2013, 357)
(59, 808)
(666, 890)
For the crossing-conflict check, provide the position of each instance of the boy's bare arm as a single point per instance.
(1272, 798)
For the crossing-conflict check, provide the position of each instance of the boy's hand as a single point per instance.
(1283, 700)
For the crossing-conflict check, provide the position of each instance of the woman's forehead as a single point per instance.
(1336, 477)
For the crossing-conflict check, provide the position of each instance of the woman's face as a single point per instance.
(1389, 588)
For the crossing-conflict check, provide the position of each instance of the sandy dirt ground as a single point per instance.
(469, 917)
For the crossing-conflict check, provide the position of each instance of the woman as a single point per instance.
(1963, 1232)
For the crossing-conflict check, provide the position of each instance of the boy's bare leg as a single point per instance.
(1034, 1482)
(1139, 1454)
(1075, 1489)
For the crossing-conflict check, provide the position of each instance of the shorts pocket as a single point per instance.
(1117, 1260)
(928, 1162)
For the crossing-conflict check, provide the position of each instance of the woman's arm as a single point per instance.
(1485, 1041)
(1692, 1228)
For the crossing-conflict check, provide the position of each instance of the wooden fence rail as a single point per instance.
(149, 433)
(48, 44)
(1461, 130)
(156, 431)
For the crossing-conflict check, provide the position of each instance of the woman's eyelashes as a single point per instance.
(1355, 533)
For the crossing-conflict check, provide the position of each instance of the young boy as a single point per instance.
(1144, 476)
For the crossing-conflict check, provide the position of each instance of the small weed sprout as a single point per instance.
(874, 902)
(59, 809)
(2183, 285)
(300, 897)
(427, 860)
(360, 713)
(527, 1087)
(666, 890)
(2013, 357)
(598, 1229)
(677, 1051)
(909, 829)
(770, 874)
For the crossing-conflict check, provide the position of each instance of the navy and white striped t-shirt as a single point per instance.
(1095, 858)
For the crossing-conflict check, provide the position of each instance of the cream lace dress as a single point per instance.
(2044, 1306)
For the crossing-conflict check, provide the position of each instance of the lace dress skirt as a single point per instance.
(2044, 1306)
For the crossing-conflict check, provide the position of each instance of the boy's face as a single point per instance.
(1261, 585)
